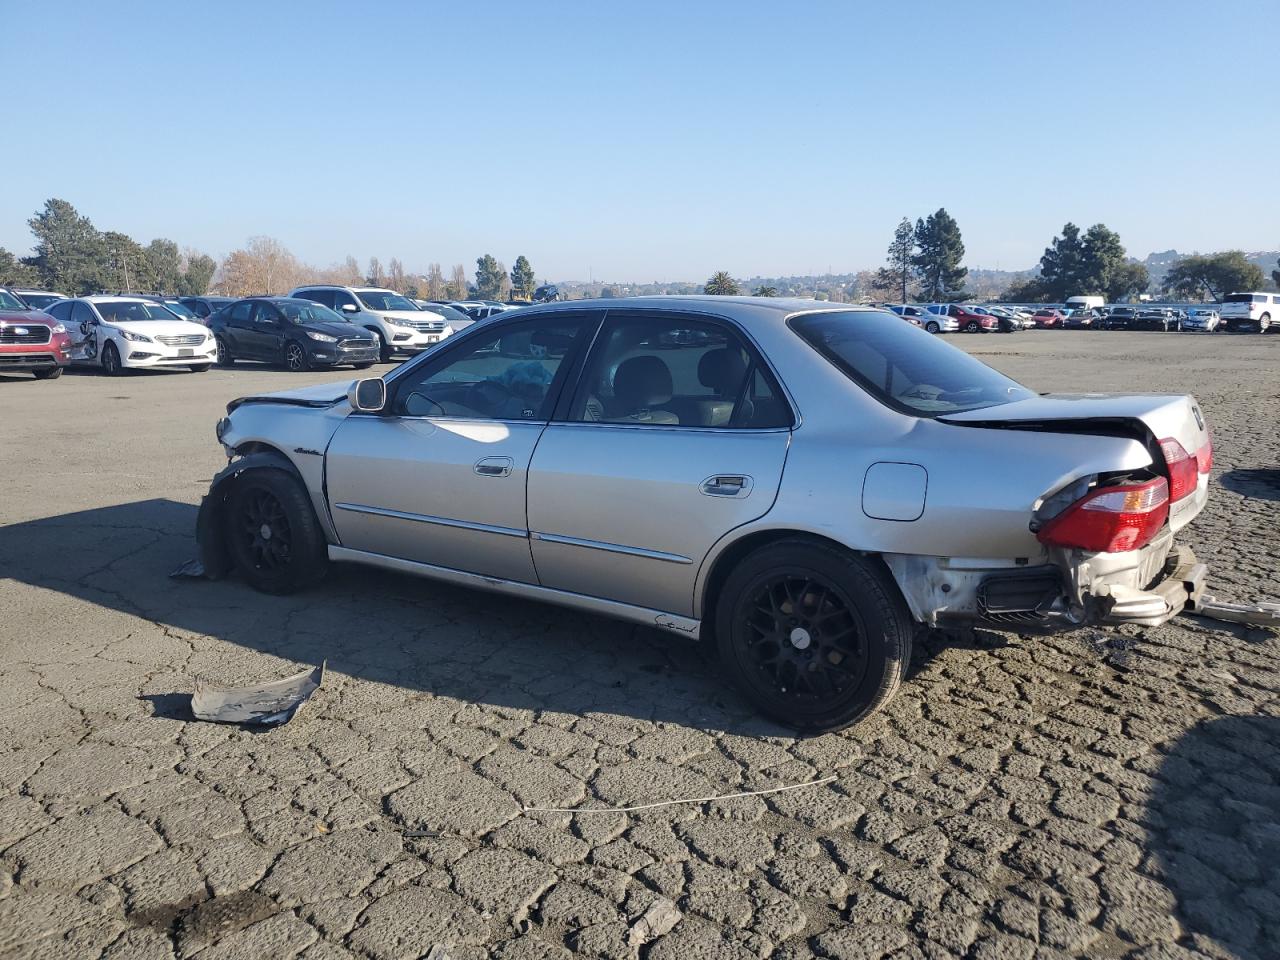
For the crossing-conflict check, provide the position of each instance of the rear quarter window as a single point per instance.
(904, 367)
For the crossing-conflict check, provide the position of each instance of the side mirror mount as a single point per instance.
(350, 308)
(368, 395)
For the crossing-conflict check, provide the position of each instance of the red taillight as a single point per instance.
(1184, 469)
(1204, 456)
(1111, 519)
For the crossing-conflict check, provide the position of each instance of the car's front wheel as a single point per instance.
(932, 326)
(48, 373)
(1264, 321)
(815, 637)
(111, 364)
(272, 532)
(295, 357)
(379, 341)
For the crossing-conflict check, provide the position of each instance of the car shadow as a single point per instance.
(385, 627)
(1213, 823)
(1257, 484)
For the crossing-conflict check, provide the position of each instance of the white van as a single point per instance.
(1078, 304)
(1249, 311)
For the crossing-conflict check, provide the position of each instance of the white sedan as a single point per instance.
(123, 333)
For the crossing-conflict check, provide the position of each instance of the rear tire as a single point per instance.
(49, 373)
(813, 636)
(1264, 321)
(272, 533)
(111, 364)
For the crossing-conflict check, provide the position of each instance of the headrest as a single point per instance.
(643, 381)
(722, 370)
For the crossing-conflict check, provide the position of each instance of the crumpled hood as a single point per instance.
(317, 395)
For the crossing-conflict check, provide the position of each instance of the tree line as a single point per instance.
(74, 257)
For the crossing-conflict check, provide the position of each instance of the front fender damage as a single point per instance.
(214, 562)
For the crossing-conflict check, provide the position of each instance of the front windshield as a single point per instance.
(452, 314)
(903, 366)
(181, 309)
(380, 300)
(304, 311)
(38, 301)
(133, 311)
(9, 302)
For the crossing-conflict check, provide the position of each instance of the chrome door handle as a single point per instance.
(727, 485)
(494, 467)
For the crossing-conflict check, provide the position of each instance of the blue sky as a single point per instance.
(645, 141)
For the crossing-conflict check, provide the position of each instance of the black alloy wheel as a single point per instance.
(266, 530)
(272, 533)
(814, 636)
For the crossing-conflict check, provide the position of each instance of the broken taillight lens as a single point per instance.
(1111, 519)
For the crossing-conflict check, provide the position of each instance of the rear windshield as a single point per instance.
(1245, 298)
(903, 366)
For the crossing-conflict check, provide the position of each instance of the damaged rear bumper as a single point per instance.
(1064, 590)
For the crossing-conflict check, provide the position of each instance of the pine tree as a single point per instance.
(937, 259)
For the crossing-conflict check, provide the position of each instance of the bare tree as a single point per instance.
(375, 272)
(457, 286)
(263, 266)
(395, 276)
(504, 283)
(435, 282)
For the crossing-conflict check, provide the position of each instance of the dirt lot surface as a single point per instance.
(1095, 795)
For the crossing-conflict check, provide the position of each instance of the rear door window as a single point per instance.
(239, 314)
(666, 369)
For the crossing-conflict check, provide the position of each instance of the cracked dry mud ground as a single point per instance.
(1088, 795)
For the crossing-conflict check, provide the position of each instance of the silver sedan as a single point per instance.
(802, 484)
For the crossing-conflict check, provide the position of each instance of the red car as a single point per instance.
(971, 321)
(1048, 318)
(31, 340)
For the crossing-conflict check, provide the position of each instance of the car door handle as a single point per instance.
(727, 485)
(494, 467)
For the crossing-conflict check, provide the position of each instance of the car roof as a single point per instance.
(115, 298)
(776, 307)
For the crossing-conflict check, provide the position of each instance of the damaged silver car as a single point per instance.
(802, 484)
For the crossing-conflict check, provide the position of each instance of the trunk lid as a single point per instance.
(1149, 417)
(1164, 415)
